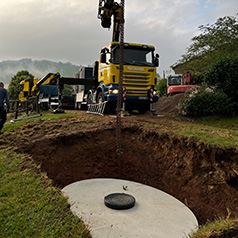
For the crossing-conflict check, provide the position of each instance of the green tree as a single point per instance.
(223, 76)
(215, 37)
(14, 83)
(216, 42)
(162, 87)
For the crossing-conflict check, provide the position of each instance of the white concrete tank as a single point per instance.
(155, 214)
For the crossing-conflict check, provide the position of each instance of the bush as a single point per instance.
(197, 79)
(162, 87)
(205, 102)
(224, 77)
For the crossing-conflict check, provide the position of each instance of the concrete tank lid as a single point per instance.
(156, 214)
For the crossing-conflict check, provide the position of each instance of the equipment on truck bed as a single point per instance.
(25, 88)
(45, 88)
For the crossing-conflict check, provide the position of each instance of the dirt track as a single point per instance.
(201, 176)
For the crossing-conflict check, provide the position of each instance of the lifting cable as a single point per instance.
(119, 97)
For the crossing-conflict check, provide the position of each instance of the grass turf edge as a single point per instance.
(29, 205)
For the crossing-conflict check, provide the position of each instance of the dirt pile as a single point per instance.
(168, 105)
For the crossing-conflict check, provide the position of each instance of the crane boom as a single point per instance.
(107, 9)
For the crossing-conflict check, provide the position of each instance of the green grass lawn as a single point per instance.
(29, 205)
(213, 135)
(221, 132)
(9, 126)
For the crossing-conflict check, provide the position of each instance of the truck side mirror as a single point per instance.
(95, 70)
(156, 60)
(103, 58)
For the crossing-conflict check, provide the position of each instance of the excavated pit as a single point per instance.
(201, 176)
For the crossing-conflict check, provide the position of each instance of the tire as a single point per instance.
(119, 201)
(100, 97)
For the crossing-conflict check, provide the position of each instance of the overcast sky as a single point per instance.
(69, 31)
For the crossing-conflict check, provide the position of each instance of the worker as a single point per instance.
(4, 96)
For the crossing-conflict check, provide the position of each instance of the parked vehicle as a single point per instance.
(178, 83)
(45, 88)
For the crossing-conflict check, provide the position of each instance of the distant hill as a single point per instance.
(38, 68)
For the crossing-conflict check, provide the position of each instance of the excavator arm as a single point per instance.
(106, 10)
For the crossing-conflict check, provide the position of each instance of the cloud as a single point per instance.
(70, 31)
(48, 29)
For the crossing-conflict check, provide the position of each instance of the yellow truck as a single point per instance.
(102, 81)
(139, 67)
(139, 75)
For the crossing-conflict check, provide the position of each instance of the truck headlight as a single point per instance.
(154, 92)
(114, 91)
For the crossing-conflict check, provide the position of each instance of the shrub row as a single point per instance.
(218, 96)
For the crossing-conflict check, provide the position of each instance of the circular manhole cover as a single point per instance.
(119, 201)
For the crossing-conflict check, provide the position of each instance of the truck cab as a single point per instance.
(139, 74)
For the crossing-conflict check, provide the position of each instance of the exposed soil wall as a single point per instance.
(203, 177)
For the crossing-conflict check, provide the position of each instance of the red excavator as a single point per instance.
(178, 84)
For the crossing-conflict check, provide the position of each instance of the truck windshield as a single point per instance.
(134, 56)
(174, 80)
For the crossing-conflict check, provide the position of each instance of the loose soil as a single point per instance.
(168, 105)
(202, 176)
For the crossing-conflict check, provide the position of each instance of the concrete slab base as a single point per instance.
(156, 214)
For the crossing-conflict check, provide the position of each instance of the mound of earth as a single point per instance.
(168, 105)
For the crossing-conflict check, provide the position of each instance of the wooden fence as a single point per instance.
(28, 106)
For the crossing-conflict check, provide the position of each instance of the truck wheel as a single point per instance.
(100, 98)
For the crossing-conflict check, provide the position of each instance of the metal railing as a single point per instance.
(28, 106)
(97, 108)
